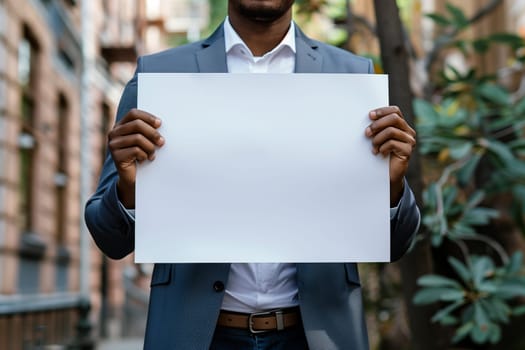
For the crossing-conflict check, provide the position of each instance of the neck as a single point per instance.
(261, 36)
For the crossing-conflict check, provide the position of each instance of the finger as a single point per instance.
(397, 149)
(137, 126)
(392, 134)
(133, 140)
(383, 111)
(127, 156)
(385, 122)
(137, 114)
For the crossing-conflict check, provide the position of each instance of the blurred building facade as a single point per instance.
(41, 102)
(39, 174)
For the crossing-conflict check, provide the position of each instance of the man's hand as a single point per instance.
(132, 140)
(391, 135)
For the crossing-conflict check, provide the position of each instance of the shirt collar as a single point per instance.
(232, 39)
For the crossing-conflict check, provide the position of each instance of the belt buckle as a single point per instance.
(278, 314)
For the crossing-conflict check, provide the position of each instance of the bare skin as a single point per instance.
(391, 135)
(133, 140)
(261, 24)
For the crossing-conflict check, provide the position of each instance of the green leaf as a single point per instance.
(481, 45)
(480, 316)
(437, 281)
(487, 286)
(519, 311)
(516, 170)
(431, 295)
(508, 290)
(445, 312)
(436, 240)
(461, 230)
(427, 296)
(453, 71)
(458, 17)
(450, 194)
(452, 295)
(439, 19)
(494, 333)
(496, 309)
(515, 262)
(501, 151)
(475, 198)
(462, 331)
(517, 145)
(425, 112)
(429, 195)
(502, 122)
(493, 93)
(519, 107)
(515, 41)
(482, 266)
(464, 175)
(449, 321)
(460, 149)
(479, 216)
(480, 334)
(460, 268)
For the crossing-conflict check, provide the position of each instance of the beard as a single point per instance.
(262, 12)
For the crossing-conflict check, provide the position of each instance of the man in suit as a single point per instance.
(248, 306)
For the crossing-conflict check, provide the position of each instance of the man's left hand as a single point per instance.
(392, 136)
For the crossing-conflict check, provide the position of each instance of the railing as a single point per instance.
(40, 321)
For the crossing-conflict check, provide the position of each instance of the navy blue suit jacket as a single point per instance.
(185, 299)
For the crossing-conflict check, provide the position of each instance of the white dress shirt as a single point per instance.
(256, 287)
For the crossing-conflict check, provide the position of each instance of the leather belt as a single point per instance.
(260, 322)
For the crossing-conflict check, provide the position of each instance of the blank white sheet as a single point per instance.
(263, 168)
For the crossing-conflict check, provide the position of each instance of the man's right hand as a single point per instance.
(133, 140)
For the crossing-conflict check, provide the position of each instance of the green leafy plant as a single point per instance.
(473, 137)
(480, 300)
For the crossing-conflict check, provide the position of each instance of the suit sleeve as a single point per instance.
(111, 227)
(404, 225)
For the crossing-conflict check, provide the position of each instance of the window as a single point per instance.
(32, 247)
(61, 173)
(27, 54)
(63, 256)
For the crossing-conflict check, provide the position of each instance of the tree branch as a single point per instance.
(498, 248)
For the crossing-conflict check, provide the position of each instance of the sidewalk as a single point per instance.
(121, 344)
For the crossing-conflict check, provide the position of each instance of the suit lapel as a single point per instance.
(307, 60)
(212, 57)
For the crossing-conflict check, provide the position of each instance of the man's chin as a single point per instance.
(262, 15)
(262, 11)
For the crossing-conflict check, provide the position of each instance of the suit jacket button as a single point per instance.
(218, 286)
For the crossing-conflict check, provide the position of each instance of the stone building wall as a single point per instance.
(40, 242)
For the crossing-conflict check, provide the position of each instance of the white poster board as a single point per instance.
(263, 168)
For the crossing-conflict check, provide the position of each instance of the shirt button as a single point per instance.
(218, 286)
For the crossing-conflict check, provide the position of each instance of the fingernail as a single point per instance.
(368, 131)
